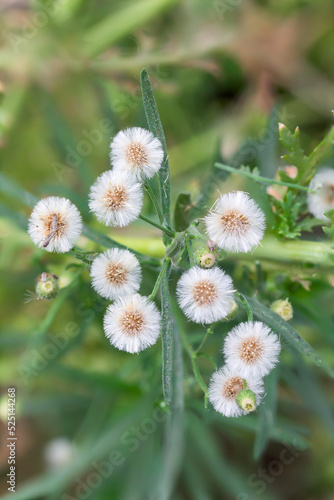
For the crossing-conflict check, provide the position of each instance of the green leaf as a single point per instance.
(11, 189)
(155, 126)
(266, 414)
(182, 211)
(167, 326)
(281, 327)
(123, 22)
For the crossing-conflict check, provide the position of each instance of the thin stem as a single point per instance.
(155, 202)
(265, 180)
(207, 335)
(155, 224)
(193, 359)
(159, 278)
(247, 308)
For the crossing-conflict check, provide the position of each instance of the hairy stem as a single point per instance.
(159, 278)
(265, 180)
(155, 224)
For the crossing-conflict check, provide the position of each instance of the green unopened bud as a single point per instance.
(246, 399)
(283, 308)
(205, 257)
(233, 311)
(47, 286)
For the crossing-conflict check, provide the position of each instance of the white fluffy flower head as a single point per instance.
(251, 348)
(116, 198)
(115, 273)
(132, 323)
(55, 224)
(235, 222)
(323, 199)
(205, 295)
(224, 387)
(136, 151)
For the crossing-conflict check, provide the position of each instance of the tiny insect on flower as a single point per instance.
(224, 387)
(116, 198)
(132, 323)
(115, 273)
(205, 295)
(235, 222)
(136, 151)
(251, 348)
(55, 224)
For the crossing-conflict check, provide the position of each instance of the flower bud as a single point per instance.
(47, 286)
(246, 399)
(283, 308)
(233, 311)
(205, 258)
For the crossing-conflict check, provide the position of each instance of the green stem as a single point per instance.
(155, 224)
(193, 358)
(207, 335)
(155, 202)
(265, 180)
(247, 308)
(159, 278)
(189, 250)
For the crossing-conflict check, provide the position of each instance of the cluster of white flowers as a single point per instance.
(251, 351)
(204, 292)
(132, 322)
(116, 197)
(235, 223)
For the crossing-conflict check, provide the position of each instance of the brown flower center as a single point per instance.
(115, 198)
(116, 274)
(204, 293)
(232, 386)
(234, 222)
(251, 349)
(136, 155)
(132, 322)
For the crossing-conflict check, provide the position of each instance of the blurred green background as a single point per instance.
(224, 73)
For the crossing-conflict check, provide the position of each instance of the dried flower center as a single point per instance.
(132, 322)
(234, 222)
(136, 155)
(251, 350)
(115, 198)
(232, 386)
(116, 274)
(204, 293)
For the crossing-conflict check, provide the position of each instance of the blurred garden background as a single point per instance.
(224, 73)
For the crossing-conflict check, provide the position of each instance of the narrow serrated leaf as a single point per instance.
(167, 328)
(155, 126)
